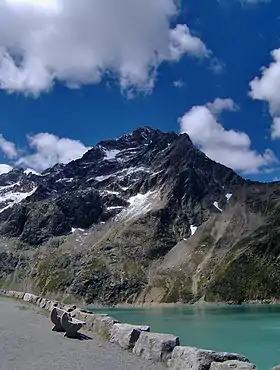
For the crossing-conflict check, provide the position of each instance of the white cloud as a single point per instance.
(217, 66)
(267, 88)
(179, 84)
(49, 150)
(219, 105)
(81, 42)
(229, 147)
(7, 147)
(5, 168)
(182, 42)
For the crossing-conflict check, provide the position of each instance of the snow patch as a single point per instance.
(101, 178)
(139, 204)
(216, 204)
(30, 171)
(114, 207)
(14, 198)
(73, 230)
(193, 229)
(130, 151)
(111, 192)
(121, 174)
(156, 173)
(132, 170)
(9, 186)
(65, 180)
(111, 154)
(228, 196)
(90, 179)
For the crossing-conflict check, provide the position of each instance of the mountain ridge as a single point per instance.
(143, 218)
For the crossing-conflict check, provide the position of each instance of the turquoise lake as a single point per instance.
(251, 330)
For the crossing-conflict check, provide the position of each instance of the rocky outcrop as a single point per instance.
(232, 365)
(126, 335)
(156, 346)
(191, 358)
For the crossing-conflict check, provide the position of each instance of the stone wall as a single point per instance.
(153, 346)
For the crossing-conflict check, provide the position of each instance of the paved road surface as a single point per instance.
(27, 343)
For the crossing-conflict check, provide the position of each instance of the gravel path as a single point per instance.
(27, 343)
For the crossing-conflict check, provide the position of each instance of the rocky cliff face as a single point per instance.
(146, 217)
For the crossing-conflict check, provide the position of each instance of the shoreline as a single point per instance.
(139, 339)
(198, 304)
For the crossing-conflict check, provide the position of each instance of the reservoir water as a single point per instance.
(251, 330)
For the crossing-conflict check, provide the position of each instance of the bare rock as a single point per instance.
(14, 294)
(126, 335)
(156, 346)
(46, 304)
(32, 298)
(87, 317)
(191, 358)
(103, 325)
(232, 365)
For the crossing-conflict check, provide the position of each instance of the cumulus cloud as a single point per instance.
(81, 42)
(182, 42)
(8, 148)
(219, 105)
(229, 147)
(49, 150)
(266, 88)
(5, 168)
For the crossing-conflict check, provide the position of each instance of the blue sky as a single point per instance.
(238, 40)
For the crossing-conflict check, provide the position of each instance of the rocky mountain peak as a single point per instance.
(140, 137)
(147, 209)
(111, 177)
(11, 177)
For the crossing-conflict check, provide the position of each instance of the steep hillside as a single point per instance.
(143, 218)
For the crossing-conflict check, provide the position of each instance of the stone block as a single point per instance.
(126, 335)
(49, 304)
(191, 358)
(19, 295)
(14, 294)
(42, 302)
(88, 318)
(232, 365)
(156, 346)
(103, 325)
(32, 298)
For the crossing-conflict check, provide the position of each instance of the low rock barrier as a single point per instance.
(153, 346)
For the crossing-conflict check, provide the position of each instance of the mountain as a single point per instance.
(143, 218)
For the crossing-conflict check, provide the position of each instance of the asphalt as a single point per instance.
(27, 343)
